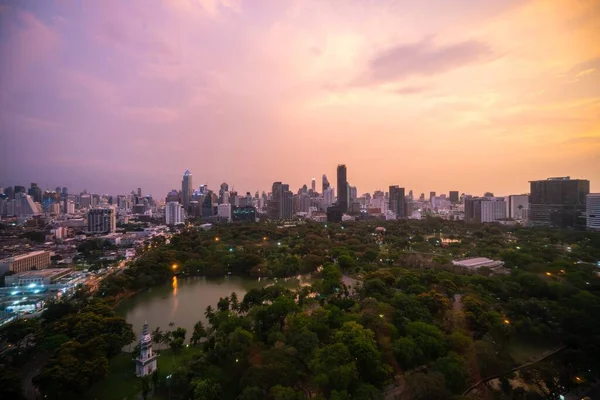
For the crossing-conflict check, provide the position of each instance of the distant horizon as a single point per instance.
(215, 188)
(466, 95)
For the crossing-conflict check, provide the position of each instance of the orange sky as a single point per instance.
(466, 95)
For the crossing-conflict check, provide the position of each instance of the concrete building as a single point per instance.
(342, 187)
(36, 278)
(558, 202)
(102, 220)
(453, 196)
(224, 211)
(518, 206)
(187, 188)
(397, 201)
(593, 211)
(25, 262)
(485, 209)
(174, 214)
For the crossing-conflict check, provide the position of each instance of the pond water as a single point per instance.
(184, 300)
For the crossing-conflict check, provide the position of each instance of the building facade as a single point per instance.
(342, 188)
(186, 189)
(593, 211)
(174, 214)
(25, 262)
(486, 209)
(518, 206)
(558, 202)
(102, 220)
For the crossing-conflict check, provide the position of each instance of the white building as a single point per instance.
(593, 211)
(25, 262)
(102, 220)
(145, 363)
(328, 197)
(174, 214)
(70, 207)
(518, 206)
(23, 206)
(493, 210)
(478, 262)
(224, 211)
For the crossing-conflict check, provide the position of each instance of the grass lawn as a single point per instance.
(524, 351)
(121, 382)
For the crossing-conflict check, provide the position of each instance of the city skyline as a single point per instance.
(470, 96)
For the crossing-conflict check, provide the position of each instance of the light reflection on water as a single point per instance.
(184, 301)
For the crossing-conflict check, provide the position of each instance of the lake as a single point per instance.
(184, 300)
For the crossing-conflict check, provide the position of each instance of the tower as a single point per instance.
(186, 189)
(145, 363)
(342, 183)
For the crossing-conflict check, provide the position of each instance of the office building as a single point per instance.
(485, 209)
(36, 278)
(187, 188)
(244, 214)
(593, 211)
(313, 185)
(334, 213)
(431, 195)
(85, 201)
(558, 202)
(275, 202)
(207, 206)
(328, 196)
(342, 188)
(287, 202)
(453, 196)
(23, 206)
(518, 206)
(353, 192)
(174, 213)
(102, 220)
(325, 183)
(25, 262)
(224, 211)
(222, 190)
(70, 206)
(397, 201)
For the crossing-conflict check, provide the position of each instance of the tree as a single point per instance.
(206, 389)
(10, 383)
(279, 392)
(334, 367)
(346, 262)
(198, 333)
(18, 331)
(429, 386)
(407, 352)
(145, 387)
(235, 304)
(454, 370)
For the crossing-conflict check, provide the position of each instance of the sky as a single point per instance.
(436, 95)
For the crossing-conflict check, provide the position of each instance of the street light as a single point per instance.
(506, 321)
(217, 239)
(174, 267)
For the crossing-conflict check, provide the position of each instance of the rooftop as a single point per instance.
(45, 273)
(476, 262)
(23, 256)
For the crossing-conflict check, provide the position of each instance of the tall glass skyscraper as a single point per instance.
(186, 189)
(342, 188)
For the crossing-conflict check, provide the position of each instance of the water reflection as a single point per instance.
(183, 301)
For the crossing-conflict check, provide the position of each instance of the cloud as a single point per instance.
(422, 58)
(206, 7)
(86, 86)
(411, 90)
(153, 115)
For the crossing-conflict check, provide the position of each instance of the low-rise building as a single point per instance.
(25, 262)
(478, 262)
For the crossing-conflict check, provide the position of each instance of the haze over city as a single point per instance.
(464, 95)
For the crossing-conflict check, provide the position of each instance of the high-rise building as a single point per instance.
(353, 193)
(207, 206)
(187, 188)
(485, 209)
(431, 195)
(23, 205)
(453, 196)
(328, 196)
(325, 183)
(275, 202)
(174, 214)
(518, 206)
(85, 201)
(287, 202)
(313, 185)
(593, 211)
(139, 192)
(342, 184)
(222, 190)
(558, 202)
(102, 220)
(244, 214)
(397, 201)
(224, 211)
(35, 192)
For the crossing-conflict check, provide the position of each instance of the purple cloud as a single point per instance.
(422, 58)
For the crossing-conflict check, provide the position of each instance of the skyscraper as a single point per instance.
(325, 183)
(102, 220)
(186, 189)
(484, 209)
(453, 195)
(174, 214)
(275, 202)
(313, 185)
(397, 201)
(593, 211)
(431, 195)
(35, 192)
(287, 205)
(224, 188)
(558, 202)
(342, 183)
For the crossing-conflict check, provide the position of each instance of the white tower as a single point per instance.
(145, 364)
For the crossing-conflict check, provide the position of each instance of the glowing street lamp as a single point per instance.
(217, 239)
(174, 267)
(548, 274)
(507, 322)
